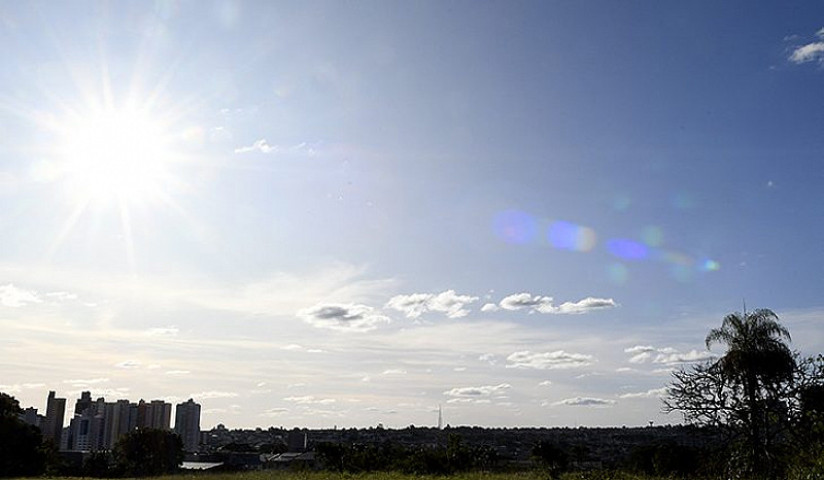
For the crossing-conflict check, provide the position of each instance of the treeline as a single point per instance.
(455, 456)
(24, 453)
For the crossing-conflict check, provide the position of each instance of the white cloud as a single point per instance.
(586, 305)
(691, 356)
(394, 371)
(351, 317)
(274, 412)
(640, 357)
(482, 391)
(585, 402)
(490, 307)
(260, 145)
(469, 400)
(263, 146)
(88, 381)
(666, 355)
(128, 364)
(545, 383)
(212, 394)
(11, 296)
(163, 331)
(18, 387)
(543, 304)
(416, 304)
(807, 53)
(558, 359)
(640, 349)
(489, 358)
(519, 301)
(652, 393)
(811, 51)
(310, 400)
(178, 372)
(62, 296)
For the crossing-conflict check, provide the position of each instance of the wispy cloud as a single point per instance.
(666, 355)
(275, 412)
(687, 357)
(128, 364)
(163, 331)
(813, 51)
(585, 402)
(310, 400)
(263, 146)
(482, 391)
(80, 382)
(351, 317)
(558, 359)
(11, 296)
(652, 393)
(17, 387)
(212, 394)
(447, 302)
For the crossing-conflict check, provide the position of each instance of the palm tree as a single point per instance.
(757, 360)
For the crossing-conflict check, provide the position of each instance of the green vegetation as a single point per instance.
(766, 400)
(20, 444)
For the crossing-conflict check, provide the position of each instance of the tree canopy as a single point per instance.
(148, 451)
(755, 392)
(20, 452)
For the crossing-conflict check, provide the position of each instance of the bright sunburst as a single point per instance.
(116, 156)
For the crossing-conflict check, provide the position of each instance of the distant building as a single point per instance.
(53, 424)
(296, 441)
(157, 414)
(31, 417)
(117, 421)
(187, 424)
(83, 403)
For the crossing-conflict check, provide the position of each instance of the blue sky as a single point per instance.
(350, 213)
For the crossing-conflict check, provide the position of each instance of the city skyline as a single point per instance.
(352, 213)
(97, 424)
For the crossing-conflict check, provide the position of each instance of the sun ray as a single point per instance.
(68, 226)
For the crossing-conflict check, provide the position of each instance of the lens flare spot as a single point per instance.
(627, 249)
(682, 201)
(677, 258)
(569, 236)
(652, 236)
(514, 226)
(709, 265)
(621, 203)
(681, 273)
(617, 273)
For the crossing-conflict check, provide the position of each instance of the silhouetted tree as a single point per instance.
(551, 457)
(752, 392)
(147, 452)
(20, 443)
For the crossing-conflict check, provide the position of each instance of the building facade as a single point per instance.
(187, 425)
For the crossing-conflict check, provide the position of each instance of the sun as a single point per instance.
(116, 156)
(116, 161)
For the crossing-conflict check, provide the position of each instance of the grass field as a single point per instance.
(286, 475)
